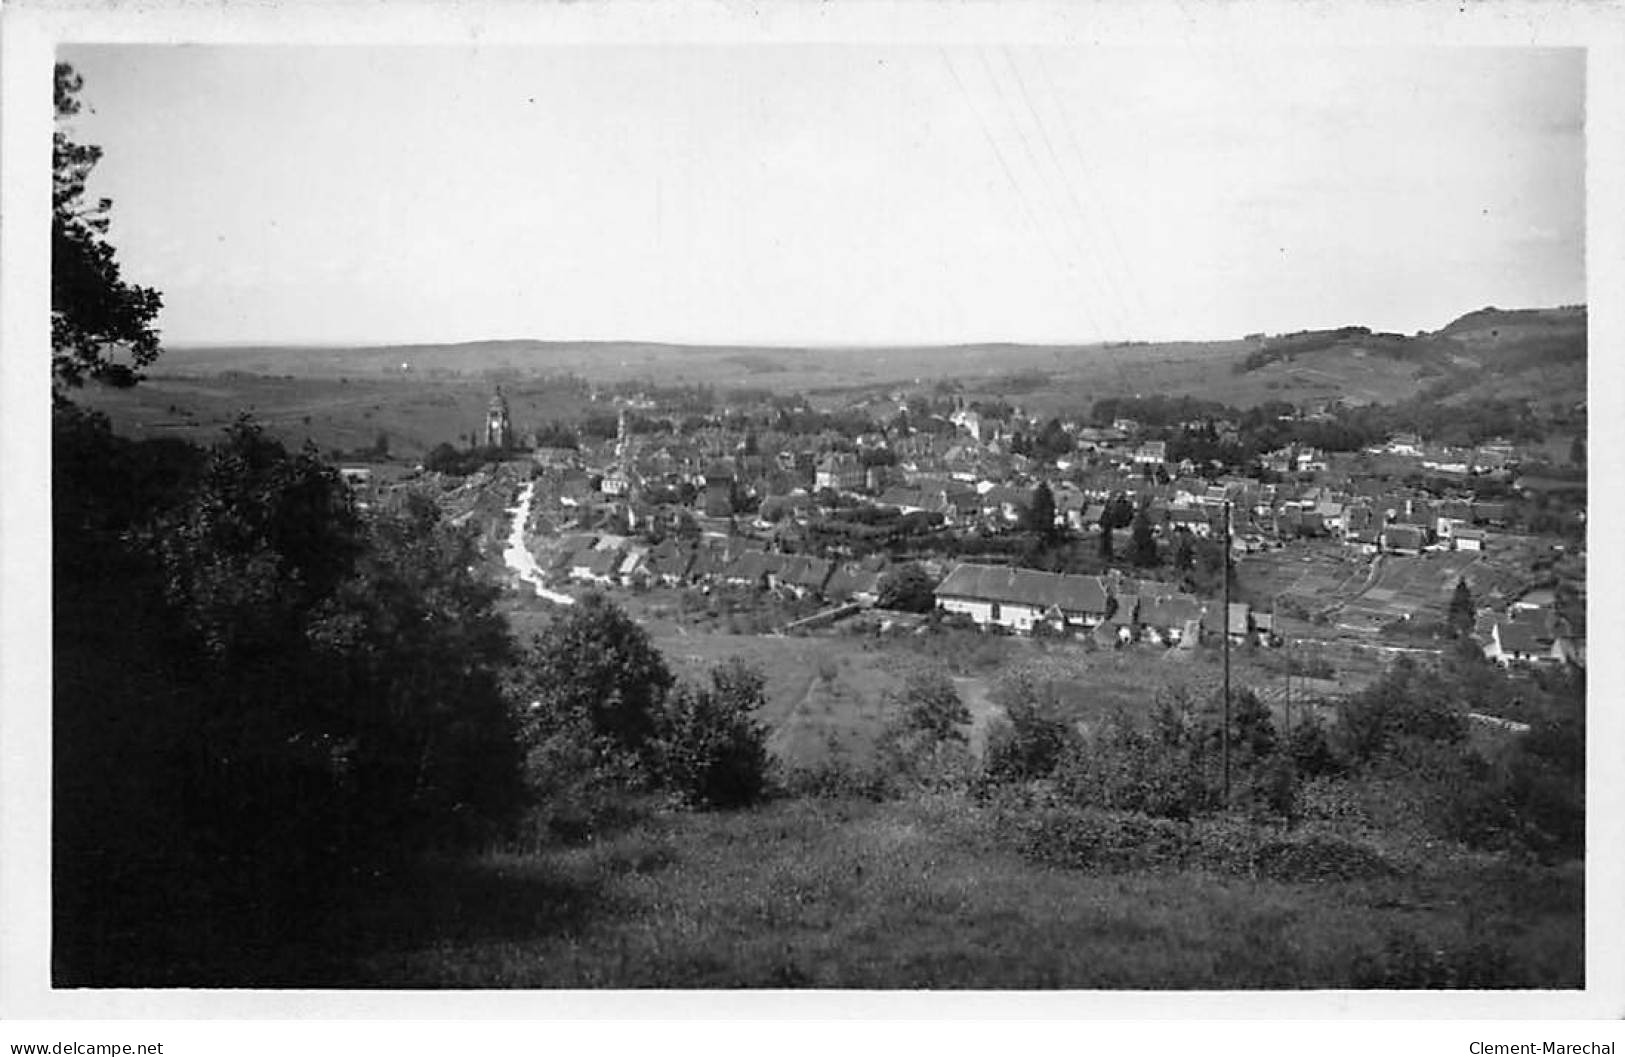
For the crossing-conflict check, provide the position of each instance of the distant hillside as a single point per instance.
(1537, 354)
(1531, 353)
(1499, 323)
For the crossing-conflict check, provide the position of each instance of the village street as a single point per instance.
(517, 556)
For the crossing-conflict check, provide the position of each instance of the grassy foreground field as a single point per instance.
(926, 894)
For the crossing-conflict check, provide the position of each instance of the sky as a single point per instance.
(834, 194)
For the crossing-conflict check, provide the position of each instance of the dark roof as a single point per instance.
(999, 583)
(670, 558)
(847, 581)
(1524, 636)
(1147, 588)
(803, 571)
(1213, 617)
(597, 562)
(1170, 611)
(1404, 535)
(752, 565)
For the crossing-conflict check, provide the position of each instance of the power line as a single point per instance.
(1015, 186)
(1083, 169)
(1008, 111)
(1085, 233)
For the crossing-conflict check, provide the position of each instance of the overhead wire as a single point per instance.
(1087, 232)
(1023, 199)
(1084, 171)
(1008, 113)
(1113, 353)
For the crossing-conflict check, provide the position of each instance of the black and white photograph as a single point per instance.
(793, 513)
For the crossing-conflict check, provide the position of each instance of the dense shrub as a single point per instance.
(1317, 858)
(909, 588)
(443, 458)
(594, 669)
(1083, 839)
(1034, 736)
(834, 778)
(1056, 833)
(579, 785)
(930, 705)
(713, 751)
(1401, 713)
(603, 721)
(299, 694)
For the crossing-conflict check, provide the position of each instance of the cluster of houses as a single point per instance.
(608, 560)
(1116, 610)
(973, 478)
(1113, 609)
(1530, 632)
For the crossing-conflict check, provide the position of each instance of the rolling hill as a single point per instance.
(417, 395)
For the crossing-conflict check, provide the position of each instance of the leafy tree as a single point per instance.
(713, 751)
(93, 310)
(1142, 546)
(930, 704)
(1052, 441)
(595, 672)
(1035, 736)
(1039, 515)
(923, 745)
(443, 458)
(1405, 709)
(909, 588)
(1184, 552)
(1252, 731)
(1163, 772)
(358, 657)
(299, 695)
(1105, 541)
(265, 538)
(1210, 568)
(1118, 512)
(415, 649)
(1461, 610)
(1311, 749)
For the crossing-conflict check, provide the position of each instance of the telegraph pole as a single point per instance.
(1225, 741)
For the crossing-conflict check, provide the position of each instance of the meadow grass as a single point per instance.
(928, 894)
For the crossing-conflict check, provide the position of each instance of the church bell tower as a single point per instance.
(498, 428)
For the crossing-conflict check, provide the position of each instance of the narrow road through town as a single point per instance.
(517, 556)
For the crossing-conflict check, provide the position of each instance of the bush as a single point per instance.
(909, 588)
(930, 704)
(1087, 839)
(834, 778)
(713, 752)
(1054, 833)
(1407, 708)
(1319, 858)
(594, 670)
(580, 787)
(1035, 736)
